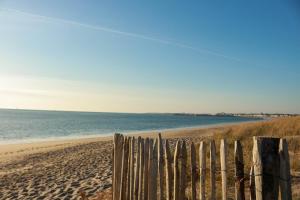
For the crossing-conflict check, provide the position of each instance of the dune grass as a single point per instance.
(288, 128)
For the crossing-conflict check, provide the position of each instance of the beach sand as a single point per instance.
(62, 169)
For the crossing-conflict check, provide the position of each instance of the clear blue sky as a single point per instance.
(156, 56)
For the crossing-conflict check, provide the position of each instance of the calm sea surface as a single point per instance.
(27, 125)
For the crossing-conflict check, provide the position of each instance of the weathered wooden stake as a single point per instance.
(252, 184)
(183, 158)
(128, 179)
(285, 174)
(239, 171)
(257, 168)
(118, 151)
(202, 168)
(148, 143)
(266, 167)
(212, 170)
(168, 167)
(124, 170)
(137, 170)
(176, 171)
(193, 172)
(161, 167)
(141, 173)
(132, 169)
(113, 170)
(223, 156)
(152, 191)
(149, 169)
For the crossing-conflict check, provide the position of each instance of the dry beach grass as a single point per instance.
(66, 169)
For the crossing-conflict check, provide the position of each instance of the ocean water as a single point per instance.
(29, 125)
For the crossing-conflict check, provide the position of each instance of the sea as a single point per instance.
(22, 126)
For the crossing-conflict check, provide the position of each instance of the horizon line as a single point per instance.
(188, 113)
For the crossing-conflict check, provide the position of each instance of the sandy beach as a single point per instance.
(55, 170)
(63, 169)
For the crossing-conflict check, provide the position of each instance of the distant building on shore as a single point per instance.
(258, 115)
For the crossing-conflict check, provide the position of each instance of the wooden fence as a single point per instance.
(143, 169)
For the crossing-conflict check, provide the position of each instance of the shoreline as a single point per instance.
(109, 135)
(14, 151)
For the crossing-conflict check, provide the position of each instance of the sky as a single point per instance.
(158, 56)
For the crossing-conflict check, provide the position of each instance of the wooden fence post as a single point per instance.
(212, 170)
(168, 167)
(137, 170)
(118, 149)
(202, 163)
(128, 179)
(141, 173)
(161, 167)
(239, 171)
(182, 183)
(193, 172)
(124, 170)
(176, 171)
(257, 168)
(252, 184)
(285, 174)
(223, 156)
(131, 168)
(152, 191)
(148, 143)
(113, 169)
(266, 168)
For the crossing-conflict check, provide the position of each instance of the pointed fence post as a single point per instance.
(118, 151)
(148, 143)
(153, 165)
(113, 169)
(193, 171)
(141, 172)
(202, 162)
(168, 168)
(183, 158)
(252, 184)
(266, 167)
(239, 171)
(223, 156)
(161, 167)
(137, 170)
(127, 192)
(176, 171)
(257, 168)
(131, 169)
(124, 170)
(285, 174)
(212, 170)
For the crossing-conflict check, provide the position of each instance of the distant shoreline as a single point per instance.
(171, 113)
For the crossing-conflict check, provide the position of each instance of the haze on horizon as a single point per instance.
(198, 57)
